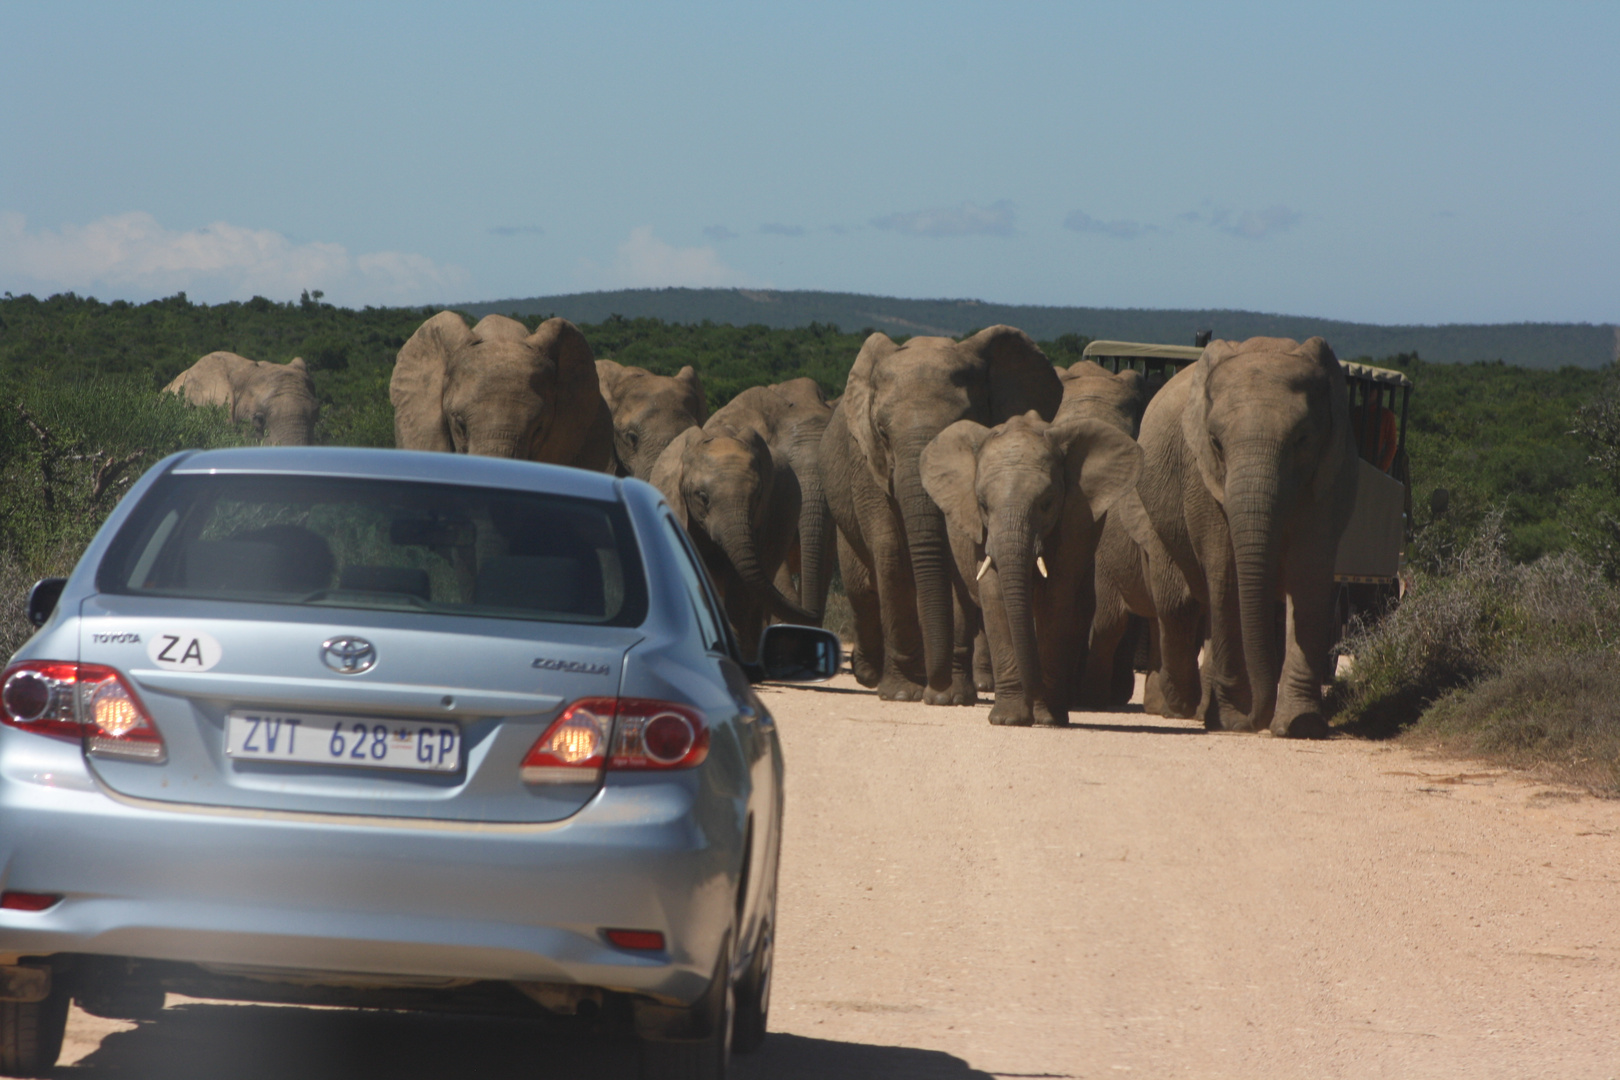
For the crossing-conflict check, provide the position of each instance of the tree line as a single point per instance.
(1492, 437)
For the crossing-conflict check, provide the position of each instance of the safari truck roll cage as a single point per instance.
(1373, 547)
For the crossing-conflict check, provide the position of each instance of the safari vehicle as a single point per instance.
(377, 728)
(1373, 547)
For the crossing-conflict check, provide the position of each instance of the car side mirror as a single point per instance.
(42, 598)
(796, 654)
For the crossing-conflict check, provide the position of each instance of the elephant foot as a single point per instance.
(1303, 725)
(1221, 716)
(1045, 716)
(1014, 713)
(1158, 701)
(961, 692)
(866, 673)
(899, 688)
(985, 684)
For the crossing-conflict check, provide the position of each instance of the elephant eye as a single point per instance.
(1215, 444)
(701, 496)
(632, 437)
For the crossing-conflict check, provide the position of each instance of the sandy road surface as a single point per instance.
(1127, 896)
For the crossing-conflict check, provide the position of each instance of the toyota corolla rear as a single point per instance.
(378, 721)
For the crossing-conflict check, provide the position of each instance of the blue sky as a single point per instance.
(1385, 162)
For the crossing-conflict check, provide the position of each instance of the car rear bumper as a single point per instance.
(369, 896)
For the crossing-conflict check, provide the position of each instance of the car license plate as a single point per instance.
(261, 735)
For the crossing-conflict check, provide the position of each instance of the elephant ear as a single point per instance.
(1340, 448)
(608, 374)
(1100, 459)
(670, 468)
(695, 400)
(1195, 417)
(858, 404)
(579, 394)
(950, 468)
(1020, 375)
(417, 386)
(212, 380)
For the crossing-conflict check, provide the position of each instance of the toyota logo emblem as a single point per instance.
(349, 655)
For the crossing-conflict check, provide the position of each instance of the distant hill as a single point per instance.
(1534, 345)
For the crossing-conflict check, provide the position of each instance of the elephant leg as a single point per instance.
(965, 628)
(1225, 702)
(866, 659)
(1175, 691)
(1310, 630)
(1122, 679)
(1109, 640)
(1173, 684)
(904, 674)
(1064, 612)
(1012, 706)
(984, 666)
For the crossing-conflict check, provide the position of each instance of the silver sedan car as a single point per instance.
(392, 729)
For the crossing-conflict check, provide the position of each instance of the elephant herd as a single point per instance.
(996, 520)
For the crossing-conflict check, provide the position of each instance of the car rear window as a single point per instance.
(385, 544)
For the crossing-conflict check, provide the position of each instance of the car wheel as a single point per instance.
(754, 997)
(702, 1059)
(31, 1034)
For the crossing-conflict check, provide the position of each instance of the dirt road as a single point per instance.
(1130, 895)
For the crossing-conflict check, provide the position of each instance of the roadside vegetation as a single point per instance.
(1505, 645)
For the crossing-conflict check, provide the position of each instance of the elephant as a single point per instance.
(915, 621)
(1022, 497)
(1091, 390)
(739, 502)
(648, 411)
(793, 416)
(501, 391)
(279, 399)
(1249, 478)
(1133, 568)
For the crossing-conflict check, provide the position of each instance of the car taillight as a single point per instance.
(645, 734)
(574, 747)
(91, 702)
(658, 735)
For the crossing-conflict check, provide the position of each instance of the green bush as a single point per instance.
(1487, 656)
(68, 452)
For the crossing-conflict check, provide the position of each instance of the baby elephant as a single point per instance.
(1024, 505)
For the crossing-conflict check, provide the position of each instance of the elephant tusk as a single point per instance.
(982, 568)
(1040, 564)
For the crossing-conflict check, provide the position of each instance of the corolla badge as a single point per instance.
(349, 655)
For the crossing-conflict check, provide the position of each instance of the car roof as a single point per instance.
(422, 466)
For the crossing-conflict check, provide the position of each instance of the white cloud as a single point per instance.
(1249, 224)
(1080, 221)
(965, 219)
(133, 256)
(646, 262)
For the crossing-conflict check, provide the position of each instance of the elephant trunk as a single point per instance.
(1254, 514)
(291, 422)
(501, 444)
(815, 535)
(737, 542)
(931, 560)
(1016, 548)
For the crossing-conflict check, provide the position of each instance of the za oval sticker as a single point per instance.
(183, 650)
